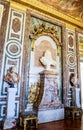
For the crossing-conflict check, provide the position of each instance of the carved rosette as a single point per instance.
(13, 49)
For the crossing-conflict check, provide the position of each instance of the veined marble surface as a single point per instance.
(50, 115)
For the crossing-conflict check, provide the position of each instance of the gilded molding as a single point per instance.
(46, 9)
(41, 30)
(70, 26)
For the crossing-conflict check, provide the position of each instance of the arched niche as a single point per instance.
(39, 45)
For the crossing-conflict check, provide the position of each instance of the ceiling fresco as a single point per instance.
(69, 7)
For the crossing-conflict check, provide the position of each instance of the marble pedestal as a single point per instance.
(51, 107)
(10, 121)
(50, 115)
(11, 102)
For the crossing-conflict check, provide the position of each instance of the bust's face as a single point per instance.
(73, 80)
(13, 70)
(47, 54)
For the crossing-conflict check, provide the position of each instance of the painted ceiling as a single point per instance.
(74, 8)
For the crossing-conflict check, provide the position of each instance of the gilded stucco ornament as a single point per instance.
(42, 30)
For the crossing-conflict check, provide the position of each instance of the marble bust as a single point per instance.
(47, 60)
(12, 77)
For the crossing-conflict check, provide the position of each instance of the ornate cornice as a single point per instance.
(46, 9)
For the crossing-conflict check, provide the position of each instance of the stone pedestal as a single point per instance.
(77, 96)
(50, 91)
(10, 122)
(11, 102)
(51, 107)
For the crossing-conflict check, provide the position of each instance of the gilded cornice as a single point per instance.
(70, 26)
(46, 9)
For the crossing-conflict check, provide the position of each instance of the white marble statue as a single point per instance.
(47, 60)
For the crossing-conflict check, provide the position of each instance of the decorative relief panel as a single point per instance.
(71, 49)
(16, 26)
(71, 58)
(13, 47)
(3, 109)
(1, 13)
(13, 52)
(71, 61)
